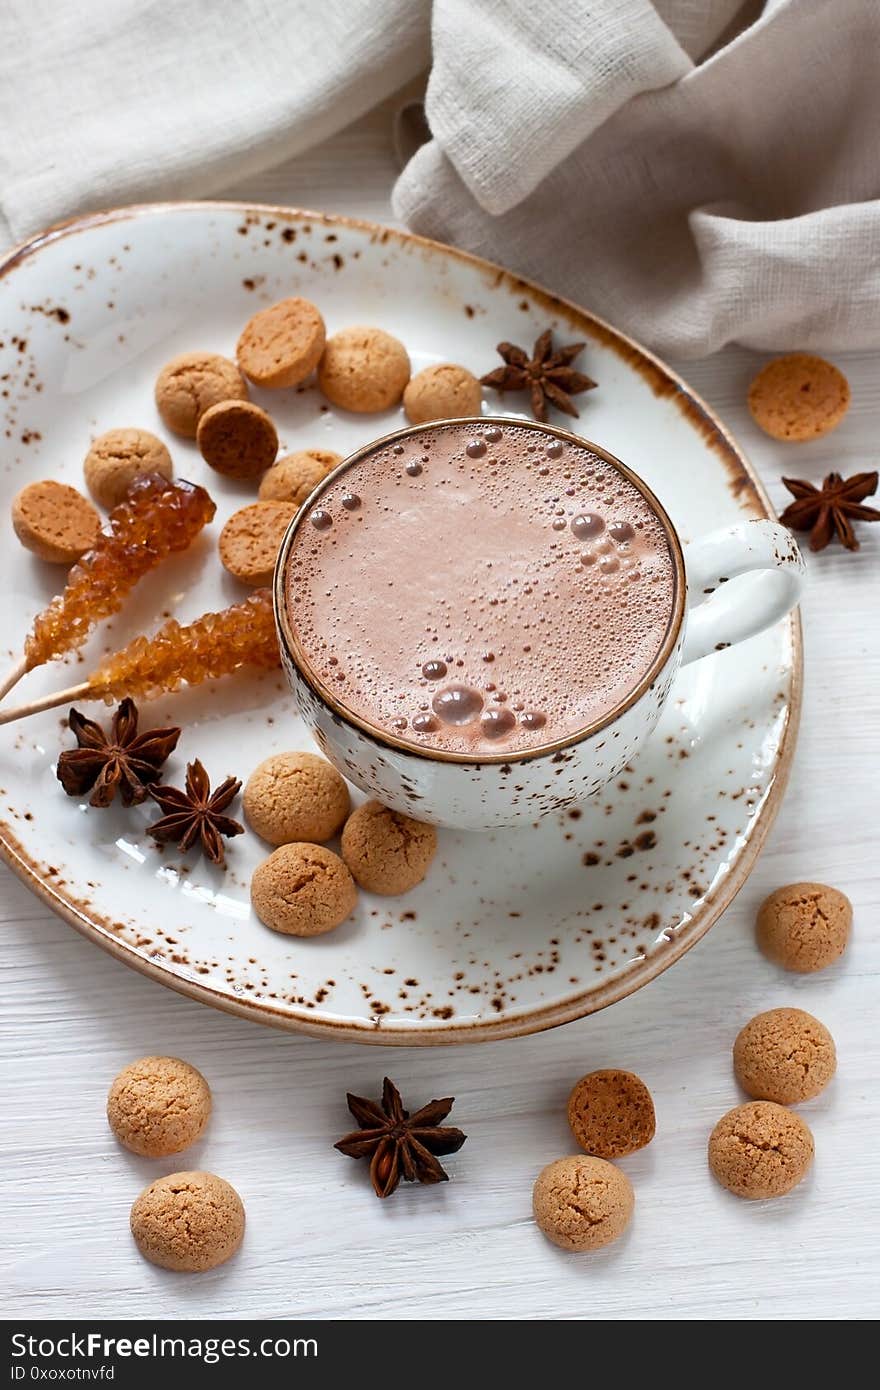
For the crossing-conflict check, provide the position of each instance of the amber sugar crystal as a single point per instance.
(158, 517)
(216, 644)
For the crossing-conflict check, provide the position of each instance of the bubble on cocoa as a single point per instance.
(497, 723)
(350, 501)
(587, 525)
(555, 449)
(434, 670)
(457, 704)
(532, 719)
(475, 448)
(621, 531)
(493, 433)
(414, 468)
(425, 723)
(321, 519)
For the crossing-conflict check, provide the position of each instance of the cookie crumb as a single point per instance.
(760, 1150)
(188, 1222)
(387, 852)
(119, 456)
(296, 796)
(54, 521)
(364, 370)
(302, 890)
(442, 392)
(582, 1203)
(798, 397)
(611, 1113)
(158, 1106)
(191, 383)
(804, 926)
(785, 1055)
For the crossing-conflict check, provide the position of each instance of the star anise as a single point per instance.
(400, 1145)
(123, 758)
(197, 813)
(548, 375)
(830, 510)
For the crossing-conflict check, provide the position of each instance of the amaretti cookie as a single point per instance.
(760, 1150)
(237, 439)
(799, 397)
(582, 1203)
(158, 1106)
(296, 796)
(363, 369)
(251, 538)
(386, 851)
(302, 890)
(191, 383)
(804, 926)
(280, 345)
(442, 392)
(117, 457)
(292, 478)
(54, 521)
(785, 1055)
(188, 1222)
(611, 1113)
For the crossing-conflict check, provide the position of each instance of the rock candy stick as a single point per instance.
(216, 644)
(156, 518)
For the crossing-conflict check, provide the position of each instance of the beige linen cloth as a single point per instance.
(696, 171)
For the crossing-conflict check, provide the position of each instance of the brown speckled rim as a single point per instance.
(742, 481)
(293, 646)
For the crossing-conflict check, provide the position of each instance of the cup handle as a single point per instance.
(768, 569)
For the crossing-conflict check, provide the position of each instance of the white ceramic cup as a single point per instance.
(729, 585)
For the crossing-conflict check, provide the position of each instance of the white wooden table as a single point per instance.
(318, 1243)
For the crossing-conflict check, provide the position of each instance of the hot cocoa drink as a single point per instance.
(480, 589)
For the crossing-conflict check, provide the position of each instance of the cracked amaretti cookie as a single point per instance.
(785, 1055)
(387, 852)
(302, 890)
(582, 1203)
(191, 383)
(188, 1222)
(760, 1150)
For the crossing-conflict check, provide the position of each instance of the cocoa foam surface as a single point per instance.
(480, 589)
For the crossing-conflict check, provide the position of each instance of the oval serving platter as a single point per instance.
(511, 932)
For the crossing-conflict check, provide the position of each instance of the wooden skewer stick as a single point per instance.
(20, 669)
(83, 691)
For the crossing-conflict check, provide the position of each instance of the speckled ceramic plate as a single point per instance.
(512, 931)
